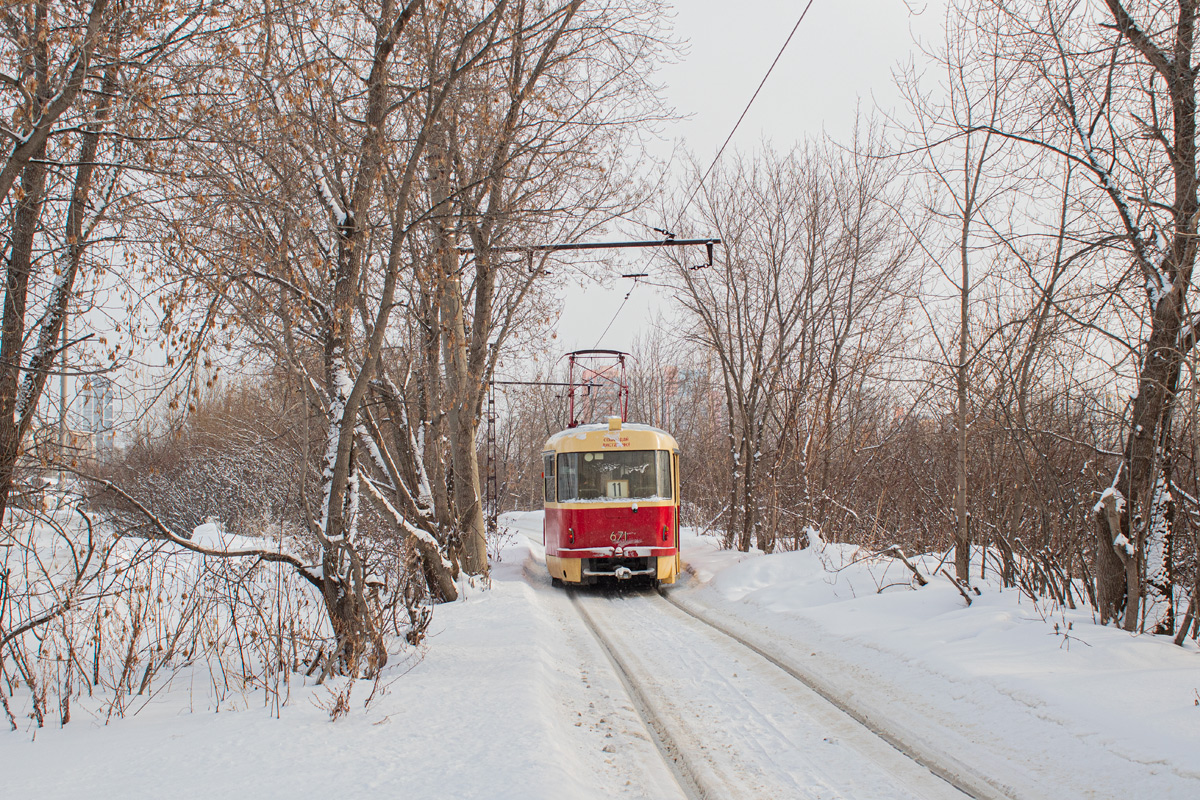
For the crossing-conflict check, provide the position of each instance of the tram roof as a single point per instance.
(631, 435)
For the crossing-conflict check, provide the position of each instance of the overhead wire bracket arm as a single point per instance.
(542, 248)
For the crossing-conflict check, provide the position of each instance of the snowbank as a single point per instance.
(1046, 700)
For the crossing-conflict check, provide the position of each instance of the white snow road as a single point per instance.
(736, 724)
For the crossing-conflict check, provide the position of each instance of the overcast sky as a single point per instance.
(843, 54)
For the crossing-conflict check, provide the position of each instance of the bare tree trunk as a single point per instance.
(748, 499)
(962, 522)
(19, 268)
(1144, 540)
(49, 91)
(734, 446)
(462, 425)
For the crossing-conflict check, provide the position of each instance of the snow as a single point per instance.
(508, 700)
(1044, 701)
(1118, 500)
(343, 385)
(580, 432)
(511, 696)
(327, 194)
(213, 536)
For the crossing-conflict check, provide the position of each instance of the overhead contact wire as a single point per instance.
(614, 317)
(720, 152)
(746, 110)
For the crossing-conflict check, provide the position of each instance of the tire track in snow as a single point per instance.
(630, 763)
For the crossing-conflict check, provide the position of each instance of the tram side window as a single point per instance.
(548, 476)
(663, 457)
(568, 477)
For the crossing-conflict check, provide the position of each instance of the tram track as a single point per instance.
(953, 771)
(673, 756)
(698, 777)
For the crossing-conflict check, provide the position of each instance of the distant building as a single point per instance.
(88, 434)
(98, 414)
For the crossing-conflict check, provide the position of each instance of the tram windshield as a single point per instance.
(614, 475)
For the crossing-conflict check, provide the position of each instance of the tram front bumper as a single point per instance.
(621, 572)
(586, 566)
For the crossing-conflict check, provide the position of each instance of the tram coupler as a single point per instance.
(623, 573)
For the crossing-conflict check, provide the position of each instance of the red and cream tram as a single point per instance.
(612, 503)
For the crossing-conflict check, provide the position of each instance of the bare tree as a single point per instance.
(78, 81)
(1116, 100)
(298, 211)
(811, 257)
(534, 148)
(970, 175)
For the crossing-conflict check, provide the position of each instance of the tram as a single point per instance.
(612, 503)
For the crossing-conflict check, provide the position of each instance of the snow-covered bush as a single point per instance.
(238, 457)
(96, 621)
(105, 598)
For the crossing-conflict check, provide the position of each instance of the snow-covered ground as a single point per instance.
(514, 697)
(1042, 703)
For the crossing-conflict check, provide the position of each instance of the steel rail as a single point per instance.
(953, 771)
(673, 756)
